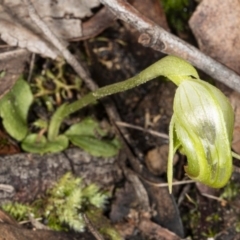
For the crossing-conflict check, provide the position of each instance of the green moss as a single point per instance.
(237, 227)
(231, 190)
(17, 210)
(64, 205)
(177, 13)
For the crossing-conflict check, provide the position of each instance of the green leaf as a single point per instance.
(40, 123)
(2, 74)
(96, 147)
(39, 144)
(55, 122)
(84, 135)
(87, 127)
(14, 108)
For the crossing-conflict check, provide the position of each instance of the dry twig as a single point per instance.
(161, 184)
(215, 198)
(7, 188)
(12, 54)
(61, 48)
(152, 132)
(157, 38)
(91, 228)
(32, 62)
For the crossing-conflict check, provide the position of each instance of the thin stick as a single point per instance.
(214, 198)
(235, 155)
(91, 228)
(152, 132)
(61, 48)
(28, 221)
(7, 188)
(166, 184)
(31, 67)
(12, 54)
(157, 38)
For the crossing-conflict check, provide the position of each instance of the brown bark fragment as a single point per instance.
(11, 232)
(32, 174)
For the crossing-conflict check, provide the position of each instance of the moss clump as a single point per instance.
(64, 204)
(177, 12)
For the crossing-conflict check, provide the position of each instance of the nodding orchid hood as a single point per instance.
(202, 126)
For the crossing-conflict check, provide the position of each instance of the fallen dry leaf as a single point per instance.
(12, 64)
(235, 102)
(16, 35)
(63, 17)
(6, 146)
(166, 213)
(6, 218)
(153, 230)
(155, 11)
(216, 28)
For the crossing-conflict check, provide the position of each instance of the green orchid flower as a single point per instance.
(202, 127)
